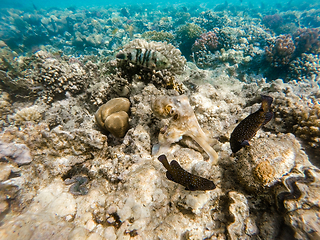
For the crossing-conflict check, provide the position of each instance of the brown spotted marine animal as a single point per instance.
(177, 174)
(249, 126)
(145, 58)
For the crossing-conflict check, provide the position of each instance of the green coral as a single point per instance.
(189, 31)
(186, 35)
(161, 36)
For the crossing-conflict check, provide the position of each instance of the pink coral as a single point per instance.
(272, 21)
(281, 51)
(207, 41)
(307, 40)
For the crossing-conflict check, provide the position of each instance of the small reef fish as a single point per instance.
(177, 174)
(145, 58)
(249, 126)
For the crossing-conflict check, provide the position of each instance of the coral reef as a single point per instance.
(307, 40)
(307, 66)
(27, 114)
(61, 177)
(186, 36)
(298, 113)
(272, 21)
(280, 51)
(207, 41)
(264, 164)
(161, 36)
(113, 116)
(173, 63)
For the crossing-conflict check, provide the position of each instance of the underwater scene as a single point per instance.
(159, 120)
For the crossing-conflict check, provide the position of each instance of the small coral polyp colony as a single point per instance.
(160, 123)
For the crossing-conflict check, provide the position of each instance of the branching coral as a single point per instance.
(280, 52)
(307, 40)
(207, 41)
(27, 114)
(272, 21)
(186, 35)
(297, 109)
(183, 122)
(307, 66)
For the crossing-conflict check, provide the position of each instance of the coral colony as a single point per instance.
(160, 122)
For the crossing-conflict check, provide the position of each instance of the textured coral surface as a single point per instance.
(63, 176)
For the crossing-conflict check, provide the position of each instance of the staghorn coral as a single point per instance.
(113, 116)
(280, 51)
(307, 40)
(182, 122)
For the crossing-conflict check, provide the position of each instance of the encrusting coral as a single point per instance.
(182, 122)
(113, 116)
(264, 164)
